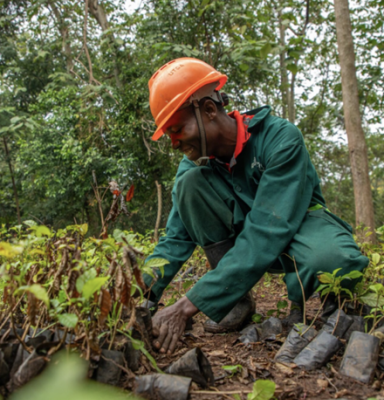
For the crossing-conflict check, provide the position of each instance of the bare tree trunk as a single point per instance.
(159, 207)
(98, 12)
(8, 158)
(291, 99)
(356, 139)
(63, 29)
(283, 69)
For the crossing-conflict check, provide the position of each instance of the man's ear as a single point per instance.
(209, 109)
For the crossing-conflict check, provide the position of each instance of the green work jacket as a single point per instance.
(274, 176)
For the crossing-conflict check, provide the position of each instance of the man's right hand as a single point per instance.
(169, 324)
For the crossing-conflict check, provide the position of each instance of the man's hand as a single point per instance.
(169, 324)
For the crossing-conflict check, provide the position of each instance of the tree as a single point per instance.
(356, 138)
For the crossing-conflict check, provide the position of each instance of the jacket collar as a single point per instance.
(259, 114)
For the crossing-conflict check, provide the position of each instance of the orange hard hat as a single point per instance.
(174, 83)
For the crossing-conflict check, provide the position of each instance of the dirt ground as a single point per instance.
(257, 361)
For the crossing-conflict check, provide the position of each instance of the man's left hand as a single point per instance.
(169, 324)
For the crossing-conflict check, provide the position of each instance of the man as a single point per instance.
(247, 192)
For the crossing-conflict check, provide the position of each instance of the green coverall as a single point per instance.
(264, 203)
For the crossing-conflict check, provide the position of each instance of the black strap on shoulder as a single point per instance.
(203, 160)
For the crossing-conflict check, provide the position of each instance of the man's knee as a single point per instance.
(337, 256)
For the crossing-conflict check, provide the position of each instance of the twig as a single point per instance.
(338, 315)
(375, 324)
(42, 223)
(18, 337)
(147, 146)
(97, 195)
(219, 392)
(26, 329)
(159, 207)
(128, 372)
(10, 314)
(301, 285)
(115, 327)
(330, 382)
(132, 320)
(62, 341)
(317, 314)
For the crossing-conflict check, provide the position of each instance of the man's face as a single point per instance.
(183, 130)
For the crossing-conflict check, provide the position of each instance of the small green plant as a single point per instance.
(262, 390)
(64, 379)
(81, 286)
(331, 283)
(374, 298)
(257, 318)
(232, 369)
(279, 310)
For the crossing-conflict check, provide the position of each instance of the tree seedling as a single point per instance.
(232, 369)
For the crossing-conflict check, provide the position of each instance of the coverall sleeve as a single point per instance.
(282, 199)
(176, 246)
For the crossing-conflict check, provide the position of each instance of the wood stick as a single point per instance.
(159, 207)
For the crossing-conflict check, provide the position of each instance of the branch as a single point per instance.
(98, 12)
(85, 47)
(63, 29)
(159, 207)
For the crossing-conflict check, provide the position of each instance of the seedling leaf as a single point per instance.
(370, 299)
(375, 258)
(68, 320)
(233, 369)
(262, 390)
(37, 290)
(257, 318)
(9, 250)
(93, 286)
(83, 279)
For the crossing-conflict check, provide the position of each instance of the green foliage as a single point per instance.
(81, 284)
(61, 123)
(93, 285)
(262, 390)
(280, 307)
(331, 283)
(68, 320)
(139, 345)
(232, 369)
(37, 290)
(65, 379)
(257, 318)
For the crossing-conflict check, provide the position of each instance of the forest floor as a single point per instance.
(257, 361)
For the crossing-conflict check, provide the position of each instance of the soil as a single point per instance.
(257, 361)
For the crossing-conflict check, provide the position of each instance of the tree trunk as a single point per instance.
(291, 99)
(98, 12)
(8, 158)
(63, 29)
(283, 69)
(356, 139)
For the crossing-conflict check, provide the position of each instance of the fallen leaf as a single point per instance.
(130, 192)
(322, 384)
(217, 353)
(284, 369)
(342, 393)
(289, 382)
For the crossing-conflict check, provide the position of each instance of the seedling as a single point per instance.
(262, 390)
(232, 369)
(257, 318)
(78, 284)
(280, 306)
